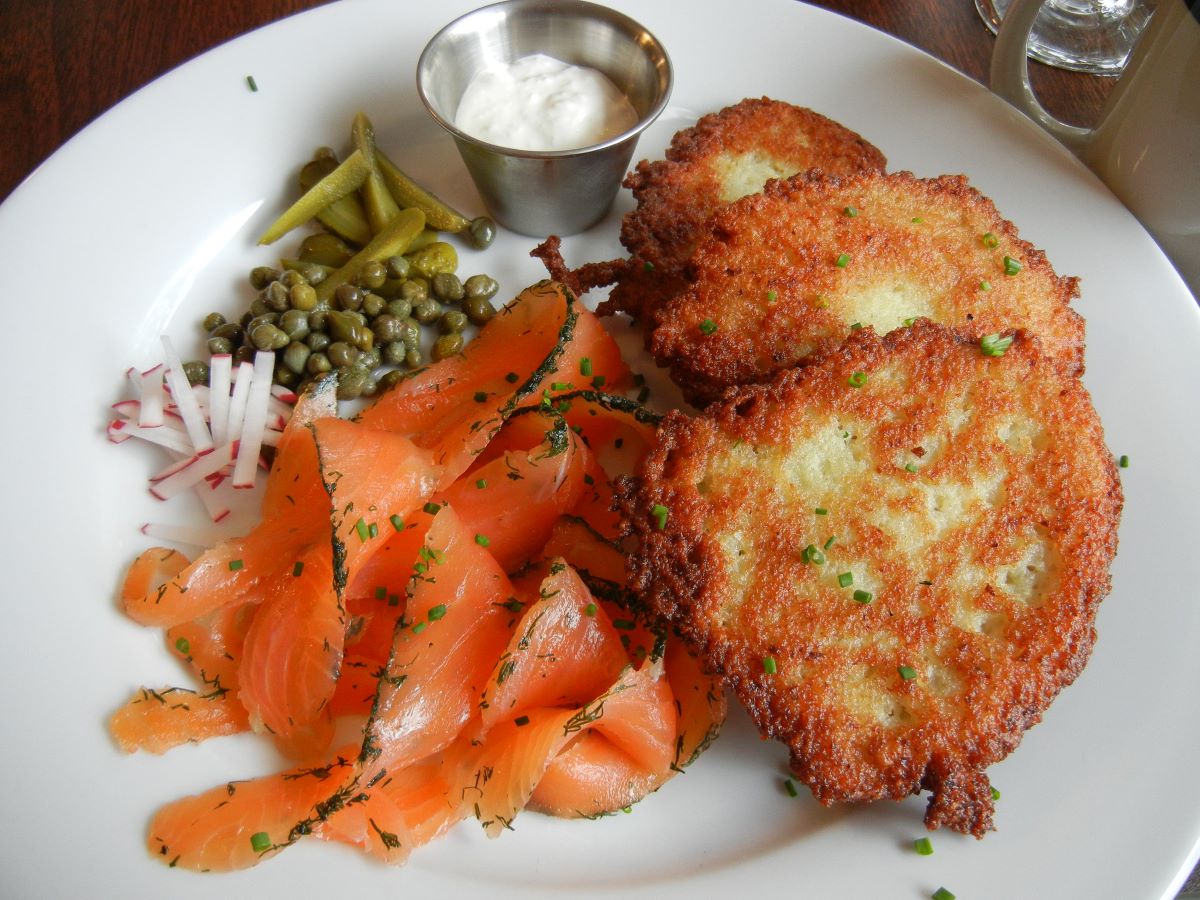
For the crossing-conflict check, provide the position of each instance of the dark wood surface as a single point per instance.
(65, 62)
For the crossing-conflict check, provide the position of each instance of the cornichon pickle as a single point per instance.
(342, 181)
(325, 249)
(436, 258)
(381, 207)
(345, 217)
(392, 240)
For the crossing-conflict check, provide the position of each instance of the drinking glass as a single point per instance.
(1082, 35)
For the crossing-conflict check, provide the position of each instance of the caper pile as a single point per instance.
(371, 323)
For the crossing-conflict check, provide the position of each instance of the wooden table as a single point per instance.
(65, 62)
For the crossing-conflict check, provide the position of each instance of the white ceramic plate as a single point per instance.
(146, 221)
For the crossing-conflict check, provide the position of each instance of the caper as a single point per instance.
(219, 345)
(410, 333)
(387, 328)
(261, 276)
(452, 322)
(371, 275)
(373, 305)
(267, 318)
(295, 323)
(268, 337)
(313, 273)
(447, 287)
(276, 295)
(230, 330)
(342, 354)
(371, 359)
(370, 386)
(350, 382)
(478, 310)
(289, 278)
(447, 345)
(244, 353)
(390, 379)
(196, 371)
(286, 376)
(400, 308)
(213, 321)
(434, 258)
(412, 358)
(427, 311)
(302, 296)
(318, 340)
(318, 319)
(393, 352)
(295, 356)
(481, 232)
(484, 286)
(345, 327)
(324, 154)
(347, 296)
(397, 267)
(318, 364)
(258, 305)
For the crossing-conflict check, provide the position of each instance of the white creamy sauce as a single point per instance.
(541, 103)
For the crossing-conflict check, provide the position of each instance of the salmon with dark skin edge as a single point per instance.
(789, 272)
(894, 556)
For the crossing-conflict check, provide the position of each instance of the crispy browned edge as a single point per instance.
(669, 569)
(705, 366)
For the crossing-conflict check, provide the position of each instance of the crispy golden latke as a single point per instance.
(895, 578)
(724, 156)
(788, 272)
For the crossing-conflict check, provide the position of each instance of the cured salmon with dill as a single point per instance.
(378, 584)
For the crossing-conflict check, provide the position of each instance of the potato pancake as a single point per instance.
(893, 556)
(790, 271)
(723, 157)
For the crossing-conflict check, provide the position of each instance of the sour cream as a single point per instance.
(541, 103)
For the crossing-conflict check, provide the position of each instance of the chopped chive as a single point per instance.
(380, 592)
(910, 467)
(768, 664)
(437, 612)
(260, 841)
(941, 894)
(995, 794)
(431, 508)
(361, 527)
(850, 211)
(482, 540)
(638, 379)
(994, 344)
(598, 381)
(865, 597)
(648, 266)
(298, 568)
(624, 624)
(588, 479)
(561, 385)
(857, 379)
(512, 604)
(397, 522)
(520, 721)
(811, 554)
(660, 514)
(643, 394)
(829, 543)
(985, 285)
(923, 846)
(842, 261)
(373, 530)
(1123, 462)
(908, 323)
(846, 579)
(708, 326)
(511, 377)
(990, 240)
(821, 511)
(591, 609)
(183, 646)
(235, 564)
(419, 627)
(251, 83)
(481, 396)
(856, 326)
(393, 600)
(585, 366)
(908, 673)
(481, 483)
(772, 296)
(1011, 266)
(790, 787)
(917, 220)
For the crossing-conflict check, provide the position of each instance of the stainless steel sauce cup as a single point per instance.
(546, 192)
